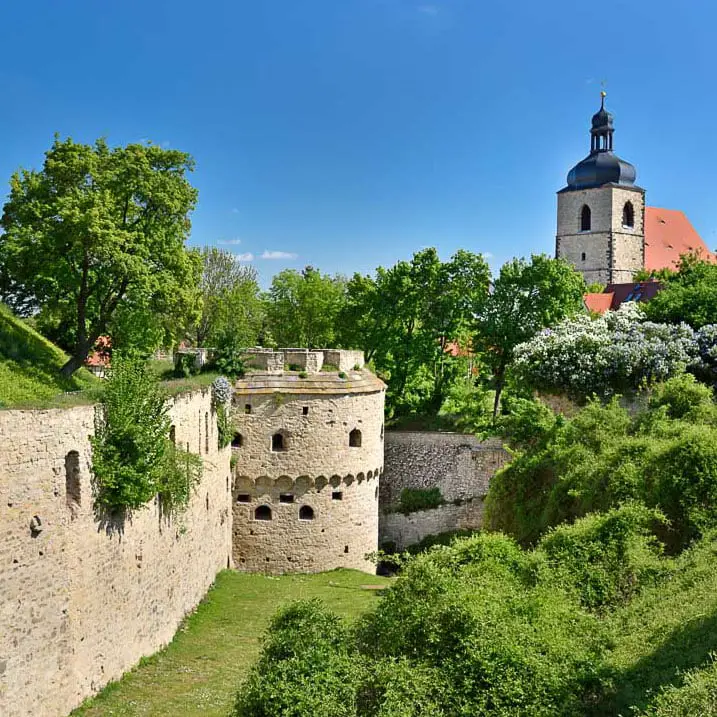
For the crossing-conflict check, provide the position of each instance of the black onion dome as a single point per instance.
(601, 168)
(602, 165)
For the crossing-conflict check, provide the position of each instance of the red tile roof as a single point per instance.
(598, 303)
(668, 233)
(616, 294)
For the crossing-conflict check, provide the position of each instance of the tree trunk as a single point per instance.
(499, 383)
(75, 361)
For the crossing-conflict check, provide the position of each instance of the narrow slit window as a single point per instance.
(73, 494)
(305, 411)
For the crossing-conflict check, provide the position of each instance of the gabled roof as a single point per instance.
(668, 234)
(598, 303)
(616, 294)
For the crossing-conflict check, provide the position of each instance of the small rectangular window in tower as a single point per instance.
(305, 410)
(583, 256)
(243, 498)
(337, 495)
(247, 408)
(286, 497)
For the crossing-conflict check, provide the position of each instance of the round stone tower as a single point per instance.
(307, 454)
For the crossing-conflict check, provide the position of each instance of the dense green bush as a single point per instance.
(469, 630)
(133, 458)
(604, 457)
(606, 557)
(415, 499)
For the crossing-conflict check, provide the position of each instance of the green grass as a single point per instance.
(29, 369)
(200, 671)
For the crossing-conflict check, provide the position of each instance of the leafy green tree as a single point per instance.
(303, 307)
(688, 295)
(96, 227)
(526, 297)
(413, 322)
(232, 306)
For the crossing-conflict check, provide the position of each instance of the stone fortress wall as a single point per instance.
(460, 466)
(307, 453)
(81, 601)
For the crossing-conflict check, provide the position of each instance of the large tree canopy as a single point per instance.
(526, 297)
(302, 307)
(97, 227)
(407, 317)
(688, 295)
(232, 310)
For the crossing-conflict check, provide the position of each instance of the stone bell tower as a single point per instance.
(601, 213)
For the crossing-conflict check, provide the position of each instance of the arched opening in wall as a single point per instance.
(73, 495)
(306, 512)
(628, 216)
(355, 438)
(173, 433)
(278, 442)
(585, 218)
(206, 432)
(582, 256)
(237, 440)
(263, 512)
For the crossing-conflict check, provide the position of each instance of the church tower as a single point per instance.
(601, 213)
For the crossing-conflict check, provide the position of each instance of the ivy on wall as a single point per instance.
(133, 458)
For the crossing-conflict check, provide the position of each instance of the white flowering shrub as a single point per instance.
(221, 391)
(616, 352)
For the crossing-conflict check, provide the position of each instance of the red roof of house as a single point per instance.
(598, 303)
(668, 234)
(616, 294)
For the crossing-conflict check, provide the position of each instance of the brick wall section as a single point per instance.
(460, 466)
(72, 594)
(317, 463)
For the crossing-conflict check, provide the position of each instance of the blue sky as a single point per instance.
(350, 133)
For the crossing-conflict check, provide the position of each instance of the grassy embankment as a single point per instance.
(199, 672)
(30, 369)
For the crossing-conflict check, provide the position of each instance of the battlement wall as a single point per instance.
(83, 599)
(309, 360)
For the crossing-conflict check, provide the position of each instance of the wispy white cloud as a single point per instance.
(229, 241)
(428, 9)
(278, 255)
(248, 256)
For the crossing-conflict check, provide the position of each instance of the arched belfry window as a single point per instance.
(585, 218)
(628, 215)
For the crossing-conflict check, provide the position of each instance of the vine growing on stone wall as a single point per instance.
(133, 458)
